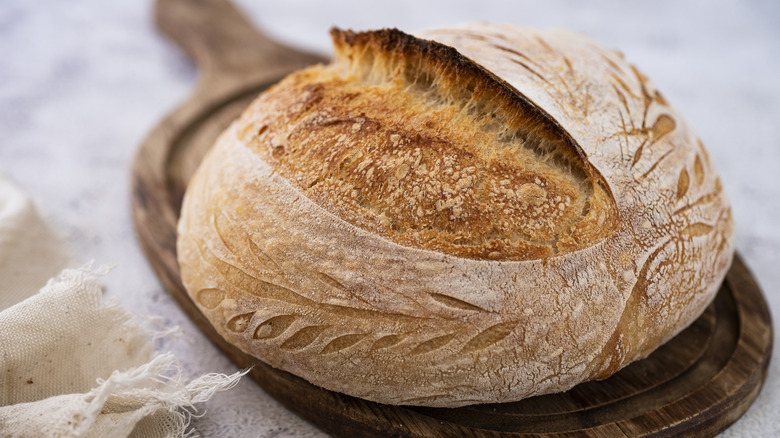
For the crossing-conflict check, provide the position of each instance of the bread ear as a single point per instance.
(498, 214)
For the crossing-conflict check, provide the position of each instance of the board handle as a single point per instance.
(223, 42)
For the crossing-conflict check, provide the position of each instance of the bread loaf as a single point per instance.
(474, 214)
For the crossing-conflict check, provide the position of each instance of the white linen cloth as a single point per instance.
(72, 365)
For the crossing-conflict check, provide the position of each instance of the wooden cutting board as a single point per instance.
(697, 384)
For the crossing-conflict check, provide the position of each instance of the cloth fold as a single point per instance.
(30, 252)
(72, 364)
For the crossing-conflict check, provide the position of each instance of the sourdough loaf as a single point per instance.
(474, 214)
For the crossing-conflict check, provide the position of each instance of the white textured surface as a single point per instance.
(82, 82)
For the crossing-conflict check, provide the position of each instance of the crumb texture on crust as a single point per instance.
(407, 139)
(502, 214)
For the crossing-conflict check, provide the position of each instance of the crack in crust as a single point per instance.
(409, 139)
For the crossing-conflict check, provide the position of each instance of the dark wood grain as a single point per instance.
(697, 384)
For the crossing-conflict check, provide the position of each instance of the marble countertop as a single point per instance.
(82, 82)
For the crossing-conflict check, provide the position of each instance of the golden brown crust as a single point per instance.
(457, 164)
(355, 294)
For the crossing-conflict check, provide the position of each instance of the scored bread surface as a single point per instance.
(471, 215)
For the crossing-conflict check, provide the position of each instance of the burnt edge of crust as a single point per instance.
(395, 41)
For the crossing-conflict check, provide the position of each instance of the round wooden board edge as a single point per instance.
(154, 219)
